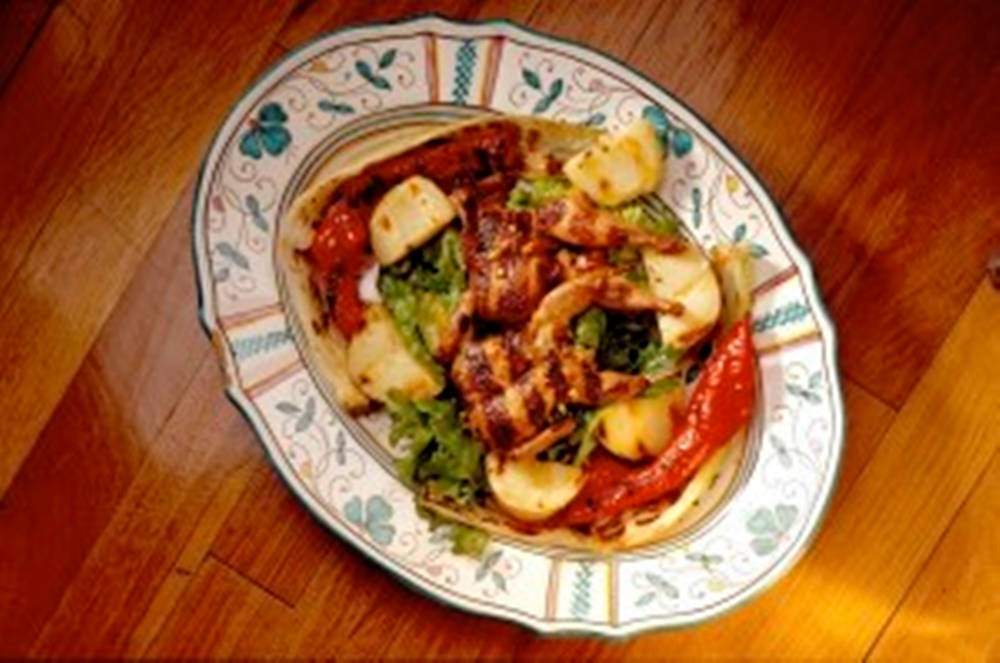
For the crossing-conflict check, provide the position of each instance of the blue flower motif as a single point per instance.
(677, 139)
(266, 131)
(374, 520)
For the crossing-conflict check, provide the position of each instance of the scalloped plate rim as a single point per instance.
(800, 261)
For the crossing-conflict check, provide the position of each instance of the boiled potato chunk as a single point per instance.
(378, 361)
(530, 489)
(687, 278)
(408, 215)
(619, 167)
(639, 427)
(735, 268)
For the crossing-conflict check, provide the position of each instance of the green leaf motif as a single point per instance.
(288, 408)
(531, 78)
(335, 107)
(274, 138)
(272, 113)
(340, 450)
(786, 515)
(816, 380)
(662, 585)
(255, 214)
(250, 145)
(763, 545)
(378, 510)
(740, 233)
(595, 120)
(365, 71)
(499, 581)
(762, 522)
(306, 419)
(545, 102)
(655, 116)
(703, 559)
(352, 510)
(805, 394)
(681, 142)
(233, 254)
(488, 562)
(757, 250)
(387, 59)
(645, 599)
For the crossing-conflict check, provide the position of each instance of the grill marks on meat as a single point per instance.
(514, 383)
(575, 220)
(510, 268)
(459, 159)
(510, 416)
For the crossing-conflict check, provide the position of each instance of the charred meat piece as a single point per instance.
(510, 269)
(575, 220)
(485, 368)
(507, 418)
(460, 159)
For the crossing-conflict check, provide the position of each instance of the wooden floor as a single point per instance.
(139, 516)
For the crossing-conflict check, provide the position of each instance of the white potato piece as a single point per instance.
(408, 215)
(619, 167)
(687, 278)
(639, 427)
(378, 361)
(531, 489)
(735, 268)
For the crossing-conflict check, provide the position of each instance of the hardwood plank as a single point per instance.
(698, 57)
(95, 442)
(37, 350)
(135, 192)
(836, 600)
(952, 610)
(211, 615)
(872, 166)
(268, 632)
(194, 553)
(588, 22)
(799, 74)
(313, 18)
(20, 21)
(91, 52)
(868, 419)
(439, 632)
(270, 537)
(204, 442)
(165, 119)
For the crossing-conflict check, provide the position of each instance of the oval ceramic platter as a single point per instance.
(336, 99)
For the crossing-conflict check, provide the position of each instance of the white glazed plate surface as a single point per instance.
(336, 98)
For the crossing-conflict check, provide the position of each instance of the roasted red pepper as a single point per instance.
(720, 406)
(338, 256)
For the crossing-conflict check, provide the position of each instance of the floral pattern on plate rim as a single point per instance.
(360, 81)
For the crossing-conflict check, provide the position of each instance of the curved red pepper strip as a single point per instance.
(720, 406)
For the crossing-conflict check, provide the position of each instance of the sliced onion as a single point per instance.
(368, 286)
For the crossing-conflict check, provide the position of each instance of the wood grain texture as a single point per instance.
(271, 539)
(94, 444)
(138, 515)
(113, 206)
(952, 611)
(204, 442)
(936, 223)
(209, 619)
(316, 16)
(20, 21)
